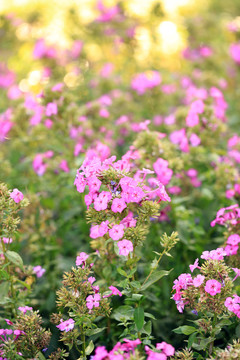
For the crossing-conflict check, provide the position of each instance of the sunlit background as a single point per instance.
(168, 41)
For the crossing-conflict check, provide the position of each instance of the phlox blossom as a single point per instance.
(166, 348)
(81, 258)
(115, 290)
(194, 266)
(66, 325)
(125, 247)
(198, 280)
(16, 195)
(51, 109)
(116, 232)
(80, 183)
(93, 301)
(118, 205)
(213, 287)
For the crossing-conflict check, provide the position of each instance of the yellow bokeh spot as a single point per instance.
(34, 77)
(171, 40)
(23, 85)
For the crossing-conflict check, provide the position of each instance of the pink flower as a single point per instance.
(93, 301)
(100, 203)
(116, 232)
(118, 205)
(16, 195)
(115, 291)
(51, 109)
(192, 119)
(66, 325)
(81, 259)
(164, 174)
(80, 182)
(64, 166)
(24, 309)
(125, 247)
(197, 106)
(94, 184)
(7, 240)
(233, 239)
(194, 266)
(39, 271)
(213, 287)
(166, 348)
(195, 140)
(237, 271)
(235, 52)
(198, 280)
(100, 353)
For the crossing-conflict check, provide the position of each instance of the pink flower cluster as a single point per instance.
(127, 348)
(180, 138)
(233, 304)
(116, 196)
(232, 245)
(184, 281)
(93, 301)
(6, 335)
(230, 214)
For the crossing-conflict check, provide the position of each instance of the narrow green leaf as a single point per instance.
(139, 317)
(156, 275)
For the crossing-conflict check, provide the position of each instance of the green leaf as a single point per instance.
(40, 356)
(151, 316)
(14, 258)
(154, 277)
(203, 344)
(186, 330)
(136, 284)
(148, 328)
(139, 317)
(191, 339)
(89, 348)
(122, 272)
(94, 331)
(123, 313)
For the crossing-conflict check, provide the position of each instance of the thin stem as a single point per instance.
(159, 259)
(83, 343)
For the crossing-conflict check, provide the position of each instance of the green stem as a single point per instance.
(210, 350)
(13, 292)
(83, 343)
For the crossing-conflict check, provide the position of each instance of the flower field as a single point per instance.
(120, 179)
